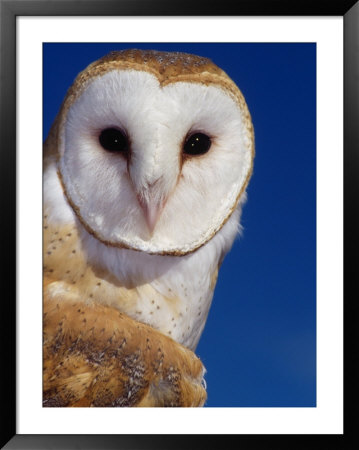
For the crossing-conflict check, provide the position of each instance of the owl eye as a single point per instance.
(113, 140)
(197, 144)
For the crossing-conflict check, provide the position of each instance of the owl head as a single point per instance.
(154, 150)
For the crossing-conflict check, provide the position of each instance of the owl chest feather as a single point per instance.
(172, 303)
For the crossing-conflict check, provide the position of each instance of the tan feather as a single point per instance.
(96, 356)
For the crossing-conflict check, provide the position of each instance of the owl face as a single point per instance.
(154, 159)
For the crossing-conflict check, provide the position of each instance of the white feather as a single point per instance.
(199, 196)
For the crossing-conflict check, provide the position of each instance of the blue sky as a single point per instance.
(259, 343)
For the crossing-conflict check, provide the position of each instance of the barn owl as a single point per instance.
(145, 175)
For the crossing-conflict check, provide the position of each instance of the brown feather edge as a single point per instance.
(98, 68)
(62, 318)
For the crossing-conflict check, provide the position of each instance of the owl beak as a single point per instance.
(152, 198)
(152, 211)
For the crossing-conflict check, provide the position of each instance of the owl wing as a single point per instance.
(94, 355)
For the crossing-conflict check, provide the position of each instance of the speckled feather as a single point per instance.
(70, 275)
(96, 356)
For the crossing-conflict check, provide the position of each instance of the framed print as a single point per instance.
(272, 348)
(289, 71)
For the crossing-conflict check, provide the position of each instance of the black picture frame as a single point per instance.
(9, 10)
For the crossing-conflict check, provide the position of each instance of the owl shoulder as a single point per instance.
(96, 356)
